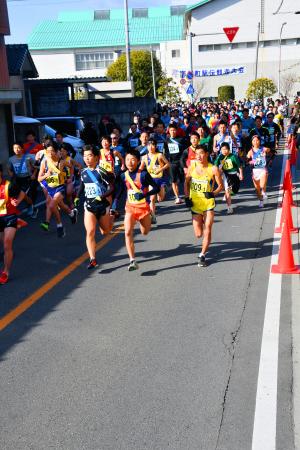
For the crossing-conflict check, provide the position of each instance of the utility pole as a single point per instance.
(127, 43)
(153, 73)
(279, 64)
(191, 35)
(257, 47)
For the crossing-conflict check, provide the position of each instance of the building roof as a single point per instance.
(80, 29)
(196, 5)
(20, 62)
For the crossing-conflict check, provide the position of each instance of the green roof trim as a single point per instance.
(78, 29)
(196, 5)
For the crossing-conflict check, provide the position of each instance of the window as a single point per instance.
(139, 12)
(271, 43)
(289, 42)
(205, 48)
(251, 44)
(178, 10)
(175, 53)
(103, 14)
(89, 61)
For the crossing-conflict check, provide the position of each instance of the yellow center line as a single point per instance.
(39, 293)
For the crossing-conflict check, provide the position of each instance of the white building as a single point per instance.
(84, 44)
(213, 53)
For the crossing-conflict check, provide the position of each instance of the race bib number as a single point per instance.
(160, 146)
(91, 190)
(106, 165)
(227, 164)
(259, 162)
(133, 143)
(53, 180)
(3, 209)
(173, 149)
(131, 198)
(199, 186)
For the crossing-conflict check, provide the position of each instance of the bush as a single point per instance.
(225, 93)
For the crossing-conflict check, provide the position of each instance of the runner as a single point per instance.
(222, 136)
(156, 164)
(10, 197)
(143, 148)
(260, 131)
(189, 153)
(257, 158)
(232, 173)
(137, 182)
(70, 165)
(97, 185)
(275, 134)
(200, 197)
(21, 169)
(31, 145)
(52, 176)
(175, 150)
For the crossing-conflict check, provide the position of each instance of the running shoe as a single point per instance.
(74, 217)
(92, 264)
(3, 278)
(153, 219)
(230, 211)
(44, 226)
(30, 211)
(60, 232)
(35, 212)
(178, 201)
(261, 204)
(202, 261)
(132, 266)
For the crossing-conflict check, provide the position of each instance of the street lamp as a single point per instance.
(279, 65)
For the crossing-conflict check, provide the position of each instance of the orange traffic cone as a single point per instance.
(288, 193)
(286, 262)
(286, 217)
(293, 158)
(287, 179)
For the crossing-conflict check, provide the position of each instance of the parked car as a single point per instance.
(71, 125)
(23, 124)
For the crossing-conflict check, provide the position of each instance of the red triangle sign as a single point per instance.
(231, 32)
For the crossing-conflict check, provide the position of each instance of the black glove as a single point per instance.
(209, 195)
(139, 196)
(188, 202)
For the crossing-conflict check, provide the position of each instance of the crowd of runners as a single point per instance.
(192, 152)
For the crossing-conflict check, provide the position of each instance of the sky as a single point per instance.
(24, 15)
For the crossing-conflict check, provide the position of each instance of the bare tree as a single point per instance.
(200, 89)
(287, 83)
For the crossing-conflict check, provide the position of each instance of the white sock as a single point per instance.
(201, 254)
(59, 225)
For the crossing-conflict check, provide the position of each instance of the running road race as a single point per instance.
(137, 310)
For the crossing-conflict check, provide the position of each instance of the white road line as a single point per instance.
(264, 429)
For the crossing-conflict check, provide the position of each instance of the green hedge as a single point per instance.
(225, 93)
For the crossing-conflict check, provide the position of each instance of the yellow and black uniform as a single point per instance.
(55, 183)
(202, 181)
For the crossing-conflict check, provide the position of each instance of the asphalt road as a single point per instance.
(162, 358)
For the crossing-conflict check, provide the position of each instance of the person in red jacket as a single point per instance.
(10, 197)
